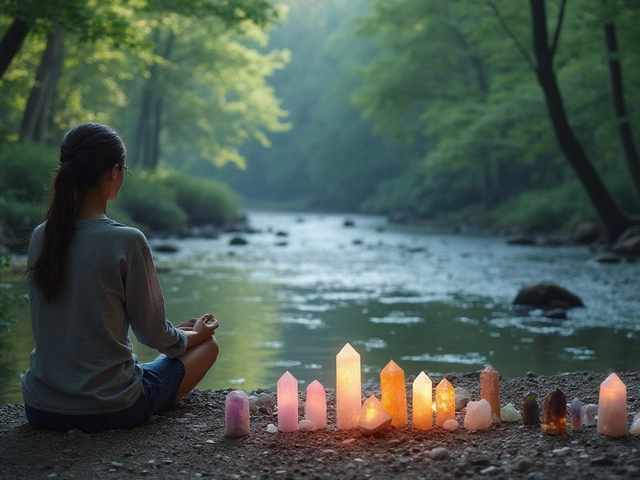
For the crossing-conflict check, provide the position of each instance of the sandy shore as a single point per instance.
(188, 442)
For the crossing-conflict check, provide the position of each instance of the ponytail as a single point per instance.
(87, 152)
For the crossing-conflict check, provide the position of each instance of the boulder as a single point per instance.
(587, 232)
(521, 239)
(547, 295)
(165, 248)
(238, 241)
(628, 243)
(607, 257)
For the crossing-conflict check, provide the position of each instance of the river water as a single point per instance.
(429, 301)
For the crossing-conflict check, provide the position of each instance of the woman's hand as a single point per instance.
(187, 325)
(203, 328)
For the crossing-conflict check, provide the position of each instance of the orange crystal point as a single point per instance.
(373, 417)
(490, 388)
(394, 393)
(445, 402)
(554, 413)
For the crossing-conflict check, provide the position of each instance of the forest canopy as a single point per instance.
(478, 111)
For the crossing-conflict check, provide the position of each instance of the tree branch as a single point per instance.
(523, 51)
(556, 34)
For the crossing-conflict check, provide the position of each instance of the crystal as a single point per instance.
(612, 407)
(236, 414)
(509, 413)
(554, 413)
(316, 406)
(445, 402)
(422, 415)
(635, 425)
(287, 395)
(530, 411)
(373, 417)
(589, 414)
(348, 387)
(575, 412)
(490, 388)
(394, 393)
(271, 428)
(478, 416)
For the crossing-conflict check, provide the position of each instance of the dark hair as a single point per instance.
(87, 152)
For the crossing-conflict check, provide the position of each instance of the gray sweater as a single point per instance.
(83, 361)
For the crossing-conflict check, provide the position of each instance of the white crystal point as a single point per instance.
(510, 413)
(478, 416)
(635, 425)
(450, 425)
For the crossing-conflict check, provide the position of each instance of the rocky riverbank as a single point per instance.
(188, 442)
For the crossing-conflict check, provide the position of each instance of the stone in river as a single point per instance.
(547, 295)
(530, 410)
(478, 416)
(575, 411)
(554, 413)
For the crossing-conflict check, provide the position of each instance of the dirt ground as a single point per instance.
(188, 442)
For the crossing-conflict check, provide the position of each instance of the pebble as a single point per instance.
(271, 428)
(450, 425)
(601, 461)
(562, 451)
(463, 396)
(439, 453)
(492, 470)
(348, 441)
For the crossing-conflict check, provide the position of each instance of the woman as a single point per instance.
(90, 279)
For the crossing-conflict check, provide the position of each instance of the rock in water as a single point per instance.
(478, 416)
(554, 413)
(547, 294)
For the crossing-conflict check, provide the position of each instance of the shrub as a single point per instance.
(150, 204)
(204, 200)
(27, 170)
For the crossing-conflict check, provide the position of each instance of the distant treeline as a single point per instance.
(437, 109)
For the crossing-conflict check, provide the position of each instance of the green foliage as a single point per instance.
(151, 204)
(9, 300)
(26, 173)
(204, 201)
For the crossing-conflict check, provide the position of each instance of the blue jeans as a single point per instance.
(161, 380)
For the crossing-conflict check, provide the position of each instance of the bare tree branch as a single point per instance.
(523, 51)
(556, 34)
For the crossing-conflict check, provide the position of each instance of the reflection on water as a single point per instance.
(432, 302)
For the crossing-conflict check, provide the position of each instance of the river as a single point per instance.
(430, 301)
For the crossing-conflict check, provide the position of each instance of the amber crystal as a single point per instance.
(490, 388)
(530, 411)
(554, 413)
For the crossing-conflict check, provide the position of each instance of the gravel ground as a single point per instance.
(188, 442)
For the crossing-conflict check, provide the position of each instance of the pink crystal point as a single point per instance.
(287, 389)
(612, 407)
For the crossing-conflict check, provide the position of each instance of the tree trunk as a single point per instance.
(12, 42)
(613, 219)
(147, 146)
(619, 107)
(37, 111)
